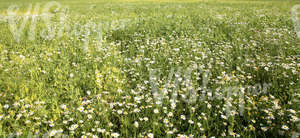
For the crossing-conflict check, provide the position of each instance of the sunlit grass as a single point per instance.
(108, 73)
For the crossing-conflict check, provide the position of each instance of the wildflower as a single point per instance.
(80, 109)
(65, 122)
(115, 135)
(223, 116)
(88, 92)
(173, 105)
(6, 106)
(27, 121)
(119, 111)
(52, 133)
(51, 124)
(150, 135)
(63, 106)
(146, 118)
(292, 111)
(251, 127)
(136, 124)
(73, 127)
(231, 133)
(19, 133)
(71, 75)
(208, 106)
(166, 121)
(89, 116)
(170, 132)
(18, 116)
(266, 68)
(285, 127)
(294, 118)
(100, 130)
(191, 121)
(264, 129)
(182, 117)
(36, 131)
(156, 111)
(60, 130)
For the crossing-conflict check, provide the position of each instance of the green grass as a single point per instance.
(105, 86)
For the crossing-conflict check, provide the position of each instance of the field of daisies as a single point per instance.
(149, 68)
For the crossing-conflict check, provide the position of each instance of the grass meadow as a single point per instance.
(149, 68)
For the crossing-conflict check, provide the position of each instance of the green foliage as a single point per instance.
(81, 83)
